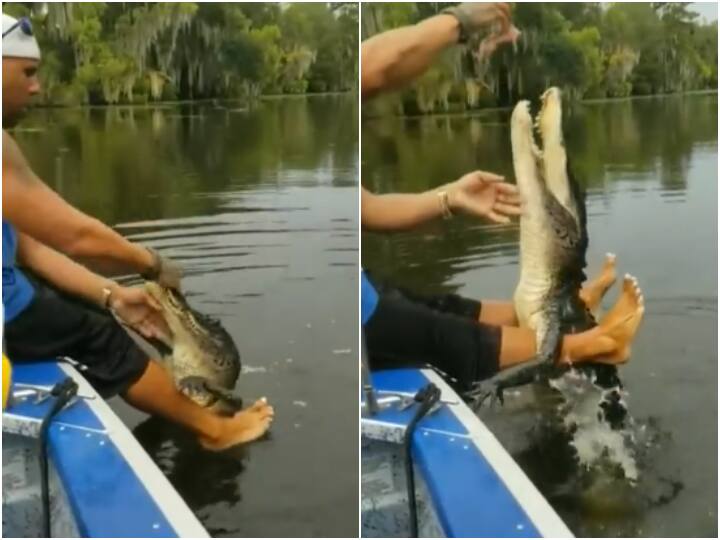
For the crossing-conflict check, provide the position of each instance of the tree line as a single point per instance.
(122, 52)
(590, 50)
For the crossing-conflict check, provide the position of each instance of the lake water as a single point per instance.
(260, 206)
(650, 170)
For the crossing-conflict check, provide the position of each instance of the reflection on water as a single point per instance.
(260, 207)
(650, 170)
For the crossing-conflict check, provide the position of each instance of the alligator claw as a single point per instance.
(484, 390)
(207, 394)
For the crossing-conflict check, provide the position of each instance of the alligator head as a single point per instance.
(200, 345)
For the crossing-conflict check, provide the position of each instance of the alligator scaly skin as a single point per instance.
(203, 359)
(553, 243)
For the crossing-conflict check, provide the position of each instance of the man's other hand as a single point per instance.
(486, 195)
(140, 311)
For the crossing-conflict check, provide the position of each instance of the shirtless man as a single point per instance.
(54, 306)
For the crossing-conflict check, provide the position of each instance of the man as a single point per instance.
(466, 339)
(54, 306)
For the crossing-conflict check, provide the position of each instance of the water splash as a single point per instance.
(597, 441)
(253, 369)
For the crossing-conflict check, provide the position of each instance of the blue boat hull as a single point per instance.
(467, 485)
(102, 483)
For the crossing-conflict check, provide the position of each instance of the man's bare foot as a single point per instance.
(245, 426)
(622, 321)
(592, 293)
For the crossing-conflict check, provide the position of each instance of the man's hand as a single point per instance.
(485, 195)
(170, 273)
(490, 43)
(164, 270)
(140, 311)
(476, 16)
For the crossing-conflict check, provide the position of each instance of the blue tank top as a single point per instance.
(17, 293)
(368, 298)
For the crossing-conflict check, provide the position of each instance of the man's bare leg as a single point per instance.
(498, 313)
(155, 393)
(502, 313)
(619, 324)
(609, 342)
(592, 293)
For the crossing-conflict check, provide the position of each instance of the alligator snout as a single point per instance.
(552, 93)
(521, 114)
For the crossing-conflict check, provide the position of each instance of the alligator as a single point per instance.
(199, 354)
(553, 243)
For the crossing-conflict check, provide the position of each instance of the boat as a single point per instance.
(100, 482)
(465, 483)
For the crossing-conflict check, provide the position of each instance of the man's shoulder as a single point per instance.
(11, 153)
(9, 143)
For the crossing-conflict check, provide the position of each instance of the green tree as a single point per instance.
(588, 49)
(110, 52)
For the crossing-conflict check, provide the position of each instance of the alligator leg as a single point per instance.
(207, 394)
(525, 373)
(228, 403)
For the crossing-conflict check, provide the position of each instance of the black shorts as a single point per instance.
(411, 330)
(56, 325)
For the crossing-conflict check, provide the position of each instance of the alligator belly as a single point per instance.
(530, 299)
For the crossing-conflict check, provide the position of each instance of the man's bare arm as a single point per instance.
(398, 211)
(35, 209)
(393, 59)
(396, 57)
(63, 273)
(479, 193)
(132, 304)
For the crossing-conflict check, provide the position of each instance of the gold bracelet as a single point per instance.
(444, 204)
(106, 297)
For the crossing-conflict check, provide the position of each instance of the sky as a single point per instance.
(709, 10)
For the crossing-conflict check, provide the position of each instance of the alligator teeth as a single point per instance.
(536, 151)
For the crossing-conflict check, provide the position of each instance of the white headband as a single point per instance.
(17, 44)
